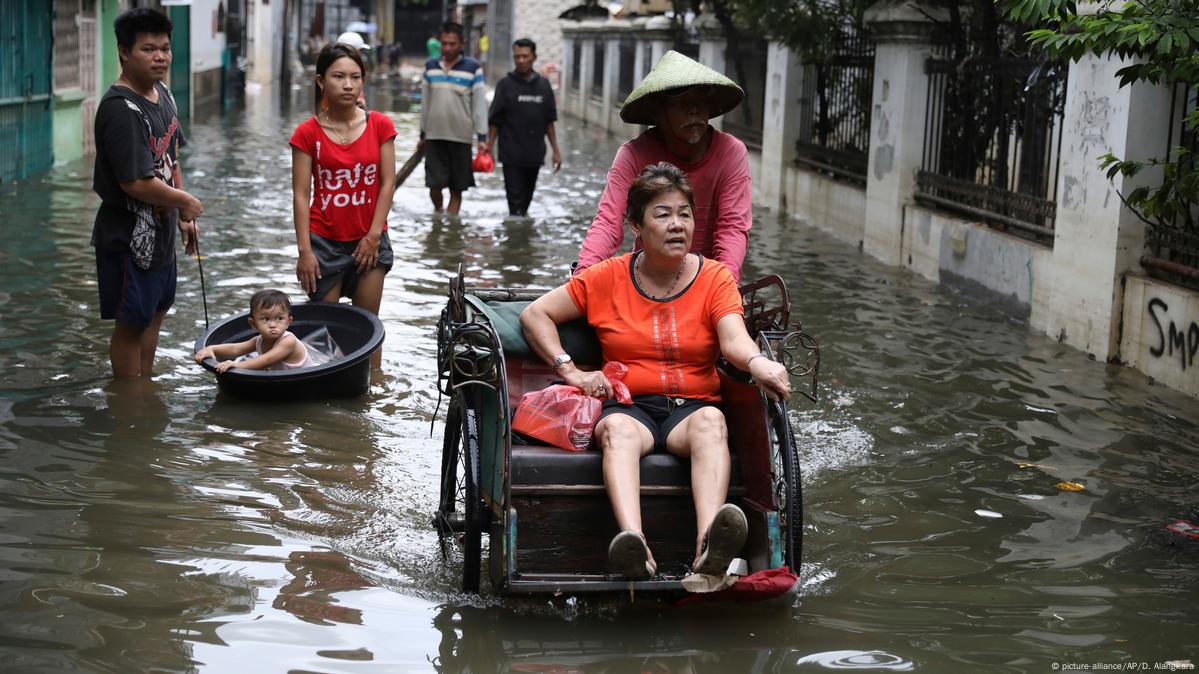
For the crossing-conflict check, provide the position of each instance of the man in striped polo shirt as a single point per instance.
(453, 115)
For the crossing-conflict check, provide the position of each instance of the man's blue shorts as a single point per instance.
(129, 293)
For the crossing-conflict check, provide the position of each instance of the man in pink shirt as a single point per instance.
(678, 97)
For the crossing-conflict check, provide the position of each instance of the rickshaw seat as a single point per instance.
(578, 338)
(542, 466)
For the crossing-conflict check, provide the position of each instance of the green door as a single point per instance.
(181, 59)
(26, 133)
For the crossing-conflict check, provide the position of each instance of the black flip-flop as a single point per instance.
(725, 536)
(628, 556)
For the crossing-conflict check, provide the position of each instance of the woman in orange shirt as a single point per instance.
(667, 314)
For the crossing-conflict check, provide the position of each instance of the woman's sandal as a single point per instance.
(723, 540)
(628, 556)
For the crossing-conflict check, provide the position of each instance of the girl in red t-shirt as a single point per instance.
(342, 180)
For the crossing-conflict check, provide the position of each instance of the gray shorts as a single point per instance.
(448, 164)
(337, 264)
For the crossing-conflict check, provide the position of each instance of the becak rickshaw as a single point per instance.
(544, 510)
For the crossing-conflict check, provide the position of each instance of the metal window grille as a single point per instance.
(834, 118)
(576, 58)
(67, 71)
(88, 76)
(1172, 248)
(628, 58)
(993, 131)
(597, 69)
(746, 64)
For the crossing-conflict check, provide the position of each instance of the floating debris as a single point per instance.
(1070, 486)
(987, 513)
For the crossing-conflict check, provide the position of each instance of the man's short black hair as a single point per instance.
(140, 20)
(455, 28)
(527, 43)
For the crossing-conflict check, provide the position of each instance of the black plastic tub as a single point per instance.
(357, 331)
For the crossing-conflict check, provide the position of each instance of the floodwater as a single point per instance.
(161, 527)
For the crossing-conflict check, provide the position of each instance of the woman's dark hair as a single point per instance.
(332, 52)
(129, 24)
(527, 43)
(654, 181)
(265, 299)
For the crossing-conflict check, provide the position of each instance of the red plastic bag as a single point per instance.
(761, 586)
(562, 415)
(559, 415)
(615, 372)
(483, 163)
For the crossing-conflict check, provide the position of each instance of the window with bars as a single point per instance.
(992, 139)
(834, 118)
(1172, 246)
(745, 63)
(67, 71)
(627, 79)
(597, 69)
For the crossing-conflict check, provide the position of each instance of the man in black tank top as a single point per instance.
(139, 181)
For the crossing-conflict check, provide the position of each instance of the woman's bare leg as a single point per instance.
(369, 296)
(624, 440)
(703, 437)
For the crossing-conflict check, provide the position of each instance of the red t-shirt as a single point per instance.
(670, 345)
(345, 178)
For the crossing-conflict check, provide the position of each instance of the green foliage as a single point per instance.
(1160, 38)
(810, 28)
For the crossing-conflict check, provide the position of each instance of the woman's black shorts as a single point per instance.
(337, 264)
(660, 414)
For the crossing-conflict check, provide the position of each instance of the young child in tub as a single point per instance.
(277, 348)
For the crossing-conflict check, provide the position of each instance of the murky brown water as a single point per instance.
(161, 527)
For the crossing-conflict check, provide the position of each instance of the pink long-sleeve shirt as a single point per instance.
(723, 196)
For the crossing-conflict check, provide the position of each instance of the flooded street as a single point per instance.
(163, 527)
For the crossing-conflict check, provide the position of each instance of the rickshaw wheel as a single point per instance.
(460, 510)
(788, 489)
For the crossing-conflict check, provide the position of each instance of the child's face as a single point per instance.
(271, 322)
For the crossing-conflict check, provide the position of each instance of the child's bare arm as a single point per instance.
(221, 352)
(281, 351)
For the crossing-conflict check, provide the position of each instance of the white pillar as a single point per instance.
(1097, 240)
(902, 34)
(659, 31)
(568, 54)
(780, 123)
(587, 63)
(611, 117)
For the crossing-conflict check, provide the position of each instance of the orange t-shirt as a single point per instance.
(670, 345)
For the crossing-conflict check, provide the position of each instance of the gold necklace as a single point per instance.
(341, 136)
(641, 281)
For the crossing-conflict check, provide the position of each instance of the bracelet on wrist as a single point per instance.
(751, 359)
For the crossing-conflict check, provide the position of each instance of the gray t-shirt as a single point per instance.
(136, 139)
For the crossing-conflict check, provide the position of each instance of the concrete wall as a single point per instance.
(998, 267)
(264, 26)
(68, 126)
(1160, 335)
(207, 51)
(833, 206)
(538, 21)
(207, 42)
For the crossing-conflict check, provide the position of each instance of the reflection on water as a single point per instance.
(162, 526)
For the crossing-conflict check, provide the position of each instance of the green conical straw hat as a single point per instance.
(675, 71)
